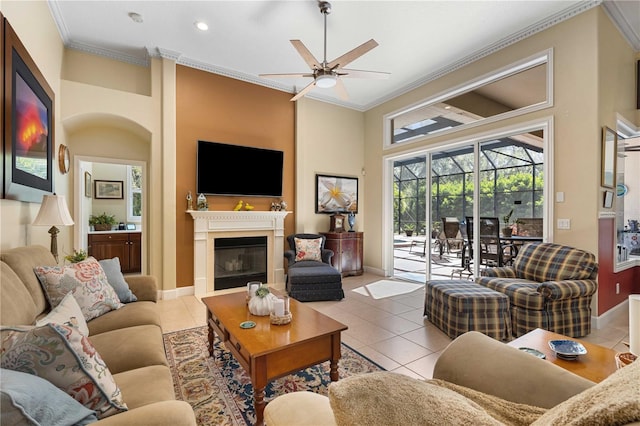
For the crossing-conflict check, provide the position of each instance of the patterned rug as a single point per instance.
(219, 390)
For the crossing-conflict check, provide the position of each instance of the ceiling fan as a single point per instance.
(329, 74)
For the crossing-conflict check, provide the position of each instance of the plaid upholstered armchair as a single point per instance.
(550, 286)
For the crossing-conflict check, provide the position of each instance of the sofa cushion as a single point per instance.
(22, 260)
(142, 345)
(522, 293)
(554, 262)
(115, 278)
(86, 280)
(146, 385)
(130, 315)
(16, 304)
(308, 249)
(615, 400)
(68, 313)
(67, 359)
(386, 398)
(29, 399)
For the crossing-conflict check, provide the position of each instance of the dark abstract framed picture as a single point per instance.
(28, 107)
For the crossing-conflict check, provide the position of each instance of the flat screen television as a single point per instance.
(225, 169)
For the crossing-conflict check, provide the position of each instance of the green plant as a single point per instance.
(103, 219)
(507, 218)
(76, 256)
(409, 226)
(262, 291)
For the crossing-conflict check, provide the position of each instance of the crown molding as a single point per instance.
(619, 18)
(490, 49)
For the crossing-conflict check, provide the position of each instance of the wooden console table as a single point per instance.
(347, 251)
(596, 365)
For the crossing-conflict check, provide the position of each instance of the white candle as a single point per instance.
(253, 288)
(278, 307)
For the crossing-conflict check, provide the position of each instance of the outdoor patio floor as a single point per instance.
(409, 261)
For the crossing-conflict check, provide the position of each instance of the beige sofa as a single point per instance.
(128, 339)
(478, 380)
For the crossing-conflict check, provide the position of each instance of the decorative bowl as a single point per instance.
(567, 349)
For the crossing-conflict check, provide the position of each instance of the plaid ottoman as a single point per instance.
(458, 306)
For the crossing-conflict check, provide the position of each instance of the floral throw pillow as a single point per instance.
(68, 313)
(308, 249)
(87, 282)
(63, 356)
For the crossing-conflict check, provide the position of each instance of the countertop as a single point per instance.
(115, 231)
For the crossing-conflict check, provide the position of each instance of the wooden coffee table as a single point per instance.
(596, 365)
(268, 351)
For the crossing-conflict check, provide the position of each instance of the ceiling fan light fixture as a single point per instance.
(202, 26)
(326, 81)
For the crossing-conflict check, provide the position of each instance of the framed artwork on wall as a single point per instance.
(87, 184)
(336, 194)
(108, 189)
(608, 158)
(28, 108)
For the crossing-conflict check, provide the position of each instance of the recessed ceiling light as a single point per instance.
(136, 17)
(202, 26)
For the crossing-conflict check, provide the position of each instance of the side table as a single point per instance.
(347, 251)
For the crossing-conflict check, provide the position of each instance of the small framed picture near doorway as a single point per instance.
(87, 184)
(108, 189)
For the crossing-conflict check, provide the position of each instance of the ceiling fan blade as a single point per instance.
(342, 91)
(291, 75)
(350, 73)
(306, 54)
(303, 91)
(353, 54)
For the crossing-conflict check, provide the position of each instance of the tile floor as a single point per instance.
(392, 331)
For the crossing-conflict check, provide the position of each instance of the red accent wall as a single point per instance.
(629, 279)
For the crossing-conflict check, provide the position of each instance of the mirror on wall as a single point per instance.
(515, 90)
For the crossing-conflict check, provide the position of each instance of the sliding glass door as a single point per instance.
(493, 188)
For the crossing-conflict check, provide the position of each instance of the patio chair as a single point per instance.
(493, 252)
(530, 226)
(452, 235)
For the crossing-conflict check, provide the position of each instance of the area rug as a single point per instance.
(387, 288)
(219, 390)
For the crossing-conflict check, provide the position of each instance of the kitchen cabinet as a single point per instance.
(127, 246)
(347, 251)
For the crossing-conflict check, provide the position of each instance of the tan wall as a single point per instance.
(329, 140)
(576, 128)
(219, 109)
(46, 49)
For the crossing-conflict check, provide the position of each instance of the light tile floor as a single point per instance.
(392, 331)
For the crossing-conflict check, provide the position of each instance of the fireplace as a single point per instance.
(209, 226)
(238, 261)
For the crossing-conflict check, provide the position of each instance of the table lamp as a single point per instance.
(53, 212)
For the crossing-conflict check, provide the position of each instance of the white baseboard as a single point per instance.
(176, 292)
(604, 319)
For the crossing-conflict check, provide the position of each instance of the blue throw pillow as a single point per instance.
(29, 399)
(114, 275)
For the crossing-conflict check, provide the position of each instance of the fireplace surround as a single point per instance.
(209, 225)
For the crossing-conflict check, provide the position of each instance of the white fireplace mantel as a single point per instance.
(209, 225)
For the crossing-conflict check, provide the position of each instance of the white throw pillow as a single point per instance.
(68, 312)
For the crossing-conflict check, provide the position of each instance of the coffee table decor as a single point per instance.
(567, 349)
(261, 303)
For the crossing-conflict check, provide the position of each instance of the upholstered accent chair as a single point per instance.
(550, 286)
(310, 275)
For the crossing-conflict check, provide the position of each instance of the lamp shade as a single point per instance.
(53, 212)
